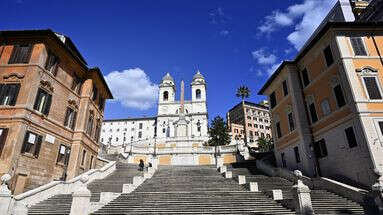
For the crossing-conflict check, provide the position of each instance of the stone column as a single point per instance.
(81, 199)
(5, 195)
(301, 196)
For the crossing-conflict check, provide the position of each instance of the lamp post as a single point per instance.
(155, 145)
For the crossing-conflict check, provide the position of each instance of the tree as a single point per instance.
(218, 132)
(265, 145)
(243, 92)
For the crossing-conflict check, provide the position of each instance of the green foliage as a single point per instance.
(265, 145)
(243, 92)
(218, 132)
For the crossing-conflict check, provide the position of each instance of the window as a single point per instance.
(95, 92)
(313, 112)
(296, 153)
(249, 117)
(262, 135)
(256, 133)
(351, 139)
(285, 89)
(261, 120)
(255, 125)
(32, 144)
(83, 157)
(358, 46)
(273, 101)
(63, 156)
(380, 127)
(140, 134)
(290, 117)
(305, 78)
(283, 160)
(198, 94)
(261, 126)
(249, 125)
(89, 126)
(21, 54)
(70, 118)
(251, 133)
(163, 130)
(325, 107)
(116, 139)
(278, 127)
(3, 136)
(43, 102)
(328, 55)
(140, 125)
(102, 140)
(372, 87)
(52, 63)
(339, 96)
(76, 84)
(91, 162)
(97, 132)
(166, 96)
(320, 148)
(9, 93)
(199, 128)
(101, 103)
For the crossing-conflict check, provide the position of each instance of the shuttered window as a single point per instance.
(313, 113)
(76, 84)
(21, 54)
(358, 46)
(278, 127)
(339, 96)
(9, 93)
(63, 154)
(70, 118)
(305, 78)
(3, 137)
(89, 126)
(83, 157)
(290, 117)
(52, 63)
(43, 102)
(320, 148)
(351, 139)
(285, 89)
(273, 101)
(32, 144)
(328, 56)
(372, 88)
(296, 153)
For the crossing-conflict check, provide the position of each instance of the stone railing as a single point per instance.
(180, 150)
(60, 187)
(227, 149)
(356, 194)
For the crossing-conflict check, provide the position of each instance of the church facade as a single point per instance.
(181, 122)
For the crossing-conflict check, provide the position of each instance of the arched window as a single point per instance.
(198, 94)
(166, 95)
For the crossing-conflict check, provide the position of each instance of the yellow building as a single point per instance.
(327, 104)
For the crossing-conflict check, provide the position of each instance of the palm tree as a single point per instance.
(243, 92)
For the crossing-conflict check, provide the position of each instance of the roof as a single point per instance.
(250, 104)
(101, 76)
(131, 119)
(168, 77)
(67, 44)
(315, 39)
(63, 41)
(198, 75)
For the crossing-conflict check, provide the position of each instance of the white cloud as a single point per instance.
(263, 58)
(133, 88)
(271, 70)
(305, 18)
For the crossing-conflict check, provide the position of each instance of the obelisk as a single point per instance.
(181, 124)
(182, 100)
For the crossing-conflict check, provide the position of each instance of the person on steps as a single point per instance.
(141, 165)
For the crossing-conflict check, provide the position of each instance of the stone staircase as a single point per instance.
(323, 202)
(61, 204)
(192, 190)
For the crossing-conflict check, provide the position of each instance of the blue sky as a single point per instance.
(135, 43)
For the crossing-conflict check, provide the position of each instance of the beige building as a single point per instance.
(51, 109)
(248, 121)
(327, 104)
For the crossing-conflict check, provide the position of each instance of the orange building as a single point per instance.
(51, 109)
(327, 104)
(249, 121)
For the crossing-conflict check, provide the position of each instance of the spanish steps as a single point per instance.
(196, 190)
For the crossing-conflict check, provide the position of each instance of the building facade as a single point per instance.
(163, 127)
(249, 121)
(327, 104)
(51, 109)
